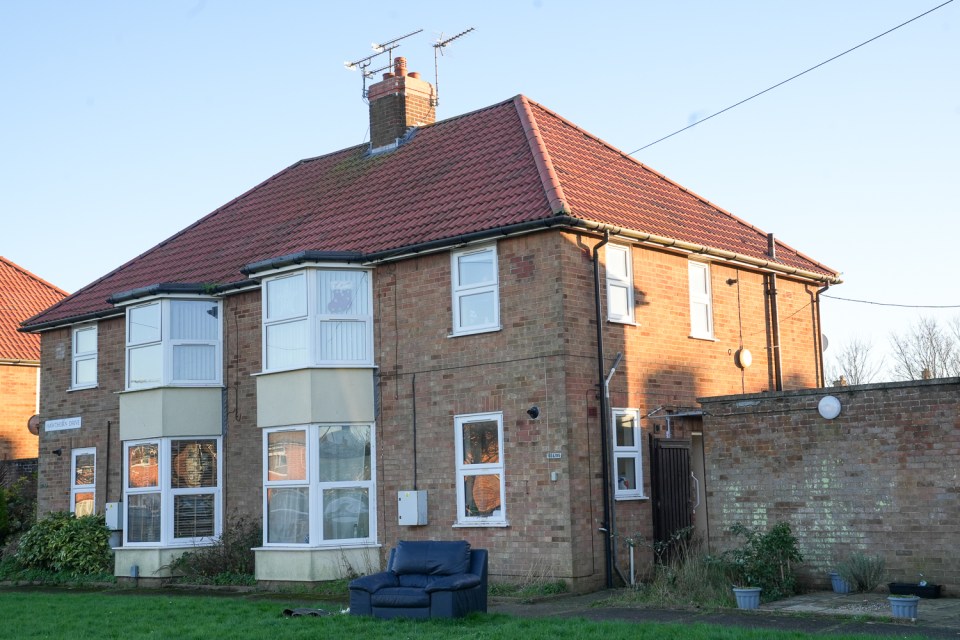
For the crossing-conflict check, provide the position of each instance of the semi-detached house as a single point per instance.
(479, 328)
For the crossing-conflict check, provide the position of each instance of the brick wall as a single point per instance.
(880, 478)
(18, 401)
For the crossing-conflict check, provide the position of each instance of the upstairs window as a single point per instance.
(627, 453)
(173, 342)
(476, 290)
(701, 306)
(84, 357)
(619, 268)
(318, 317)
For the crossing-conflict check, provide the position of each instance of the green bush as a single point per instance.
(765, 560)
(229, 560)
(62, 542)
(863, 572)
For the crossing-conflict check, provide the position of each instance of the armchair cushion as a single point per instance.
(431, 558)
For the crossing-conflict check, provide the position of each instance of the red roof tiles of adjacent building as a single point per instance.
(509, 164)
(22, 295)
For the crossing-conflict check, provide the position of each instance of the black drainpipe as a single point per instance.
(819, 337)
(775, 317)
(604, 427)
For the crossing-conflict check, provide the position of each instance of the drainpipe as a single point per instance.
(775, 316)
(605, 525)
(819, 337)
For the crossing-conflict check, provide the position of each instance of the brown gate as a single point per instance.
(670, 489)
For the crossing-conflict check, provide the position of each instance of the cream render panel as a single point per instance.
(314, 565)
(168, 412)
(308, 396)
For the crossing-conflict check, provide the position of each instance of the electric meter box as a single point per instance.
(412, 507)
(113, 513)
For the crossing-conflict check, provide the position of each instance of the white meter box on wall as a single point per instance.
(412, 507)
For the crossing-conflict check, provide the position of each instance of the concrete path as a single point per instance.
(818, 613)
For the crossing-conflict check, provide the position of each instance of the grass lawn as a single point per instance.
(28, 613)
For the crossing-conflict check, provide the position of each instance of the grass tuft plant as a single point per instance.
(863, 572)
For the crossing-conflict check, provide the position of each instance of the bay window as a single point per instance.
(173, 342)
(319, 485)
(172, 491)
(480, 485)
(318, 317)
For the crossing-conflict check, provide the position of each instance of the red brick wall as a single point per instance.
(881, 478)
(18, 401)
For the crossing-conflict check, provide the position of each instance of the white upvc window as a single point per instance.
(83, 481)
(619, 269)
(84, 358)
(476, 290)
(319, 483)
(627, 453)
(172, 491)
(174, 341)
(701, 305)
(481, 493)
(318, 318)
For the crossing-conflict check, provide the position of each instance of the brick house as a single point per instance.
(22, 294)
(400, 341)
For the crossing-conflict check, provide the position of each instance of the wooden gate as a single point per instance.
(670, 489)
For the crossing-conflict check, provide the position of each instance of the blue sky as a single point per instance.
(123, 122)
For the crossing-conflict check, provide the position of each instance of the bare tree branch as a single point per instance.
(927, 350)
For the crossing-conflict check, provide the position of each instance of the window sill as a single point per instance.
(267, 372)
(216, 385)
(83, 388)
(477, 525)
(704, 338)
(629, 323)
(330, 546)
(472, 332)
(631, 498)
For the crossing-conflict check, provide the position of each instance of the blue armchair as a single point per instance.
(431, 579)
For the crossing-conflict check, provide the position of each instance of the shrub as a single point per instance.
(229, 560)
(863, 572)
(764, 560)
(62, 542)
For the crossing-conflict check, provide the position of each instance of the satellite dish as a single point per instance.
(33, 425)
(824, 343)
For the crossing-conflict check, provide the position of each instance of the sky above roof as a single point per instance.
(126, 122)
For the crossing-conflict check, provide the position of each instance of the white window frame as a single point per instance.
(168, 493)
(478, 469)
(167, 343)
(459, 291)
(620, 281)
(82, 488)
(634, 452)
(701, 299)
(79, 357)
(315, 488)
(315, 318)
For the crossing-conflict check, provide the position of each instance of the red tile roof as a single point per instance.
(512, 163)
(22, 295)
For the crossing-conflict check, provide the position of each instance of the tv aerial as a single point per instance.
(379, 48)
(439, 46)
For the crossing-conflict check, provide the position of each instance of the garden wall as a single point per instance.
(883, 477)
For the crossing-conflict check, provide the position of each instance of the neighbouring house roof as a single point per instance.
(509, 166)
(22, 295)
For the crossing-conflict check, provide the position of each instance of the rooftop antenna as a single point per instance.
(439, 46)
(380, 48)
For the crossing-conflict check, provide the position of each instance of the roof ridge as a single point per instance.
(541, 157)
(33, 276)
(676, 184)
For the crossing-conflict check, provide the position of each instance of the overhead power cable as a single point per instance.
(892, 304)
(794, 77)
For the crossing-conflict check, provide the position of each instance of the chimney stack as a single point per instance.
(398, 102)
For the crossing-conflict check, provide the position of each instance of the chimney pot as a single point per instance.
(414, 74)
(400, 67)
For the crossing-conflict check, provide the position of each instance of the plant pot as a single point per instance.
(747, 597)
(839, 584)
(903, 606)
(914, 589)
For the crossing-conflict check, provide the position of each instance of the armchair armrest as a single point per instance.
(375, 582)
(452, 583)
